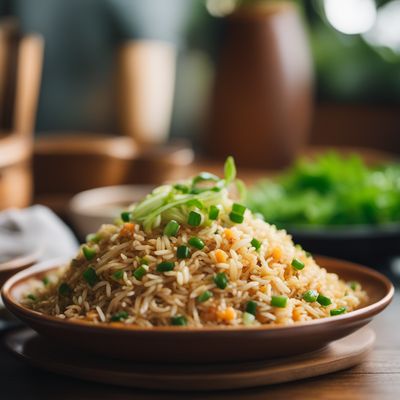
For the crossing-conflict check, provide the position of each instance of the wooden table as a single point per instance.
(378, 377)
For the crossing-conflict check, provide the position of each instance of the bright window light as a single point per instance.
(386, 31)
(351, 16)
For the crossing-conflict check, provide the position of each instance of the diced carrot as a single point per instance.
(277, 253)
(128, 229)
(263, 289)
(296, 314)
(228, 234)
(230, 314)
(220, 256)
(226, 315)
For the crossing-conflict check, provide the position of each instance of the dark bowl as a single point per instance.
(372, 245)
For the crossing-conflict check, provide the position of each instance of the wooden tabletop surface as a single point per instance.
(378, 377)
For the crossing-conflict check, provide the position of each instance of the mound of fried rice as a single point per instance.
(156, 298)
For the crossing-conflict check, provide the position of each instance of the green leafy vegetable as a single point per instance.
(330, 190)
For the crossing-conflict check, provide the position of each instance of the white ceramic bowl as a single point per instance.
(92, 208)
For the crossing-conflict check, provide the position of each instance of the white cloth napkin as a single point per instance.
(35, 230)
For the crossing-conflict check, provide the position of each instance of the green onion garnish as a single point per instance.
(196, 242)
(45, 280)
(119, 316)
(297, 264)
(165, 266)
(126, 216)
(279, 301)
(256, 243)
(90, 276)
(248, 318)
(139, 272)
(179, 321)
(172, 228)
(238, 209)
(323, 300)
(338, 311)
(238, 219)
(229, 170)
(182, 252)
(93, 237)
(310, 296)
(88, 252)
(195, 203)
(31, 297)
(205, 176)
(194, 218)
(213, 212)
(118, 274)
(221, 280)
(204, 296)
(251, 307)
(64, 289)
(353, 285)
(182, 188)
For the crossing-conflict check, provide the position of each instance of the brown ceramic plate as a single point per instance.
(180, 344)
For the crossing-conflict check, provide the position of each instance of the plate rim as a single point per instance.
(359, 314)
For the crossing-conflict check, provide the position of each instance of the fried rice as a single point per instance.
(226, 271)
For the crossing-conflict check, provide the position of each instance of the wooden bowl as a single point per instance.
(69, 164)
(202, 345)
(16, 263)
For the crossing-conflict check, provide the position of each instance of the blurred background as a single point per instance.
(125, 92)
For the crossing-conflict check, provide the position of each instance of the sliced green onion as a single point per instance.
(196, 242)
(353, 285)
(93, 237)
(238, 219)
(64, 289)
(171, 229)
(205, 176)
(279, 301)
(251, 307)
(139, 272)
(88, 252)
(182, 252)
(32, 297)
(229, 170)
(90, 276)
(213, 212)
(126, 216)
(248, 318)
(256, 243)
(221, 280)
(118, 274)
(323, 300)
(144, 261)
(194, 218)
(238, 209)
(310, 296)
(297, 264)
(165, 266)
(338, 311)
(204, 296)
(45, 281)
(195, 203)
(119, 316)
(179, 321)
(182, 188)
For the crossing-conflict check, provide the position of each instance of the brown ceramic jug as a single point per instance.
(262, 101)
